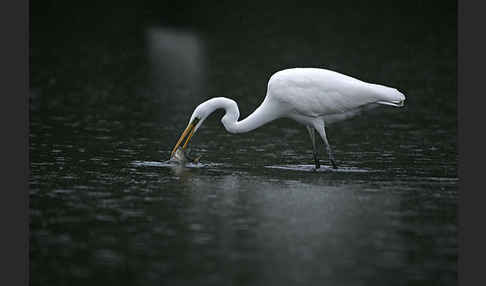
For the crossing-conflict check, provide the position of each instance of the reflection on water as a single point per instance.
(107, 208)
(312, 168)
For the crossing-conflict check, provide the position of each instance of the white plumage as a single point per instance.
(311, 96)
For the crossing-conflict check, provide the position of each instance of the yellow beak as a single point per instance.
(188, 132)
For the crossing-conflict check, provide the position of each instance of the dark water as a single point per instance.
(113, 88)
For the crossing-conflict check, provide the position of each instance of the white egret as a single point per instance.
(311, 96)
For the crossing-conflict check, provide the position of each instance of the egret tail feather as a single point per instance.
(398, 103)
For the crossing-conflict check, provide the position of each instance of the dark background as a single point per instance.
(114, 83)
(75, 43)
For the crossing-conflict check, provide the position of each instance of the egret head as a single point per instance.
(197, 118)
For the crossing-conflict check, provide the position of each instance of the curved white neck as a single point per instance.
(262, 115)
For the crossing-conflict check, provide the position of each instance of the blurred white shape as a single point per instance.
(176, 60)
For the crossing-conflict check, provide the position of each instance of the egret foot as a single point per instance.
(334, 166)
(316, 161)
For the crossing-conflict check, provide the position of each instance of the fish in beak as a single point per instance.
(187, 135)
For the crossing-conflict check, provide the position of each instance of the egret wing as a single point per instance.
(319, 92)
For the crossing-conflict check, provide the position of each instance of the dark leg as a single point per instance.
(322, 132)
(314, 147)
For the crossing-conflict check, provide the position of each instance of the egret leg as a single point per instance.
(312, 134)
(321, 130)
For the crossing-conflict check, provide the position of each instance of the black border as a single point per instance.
(471, 142)
(14, 119)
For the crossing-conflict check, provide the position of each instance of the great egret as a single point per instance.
(312, 96)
